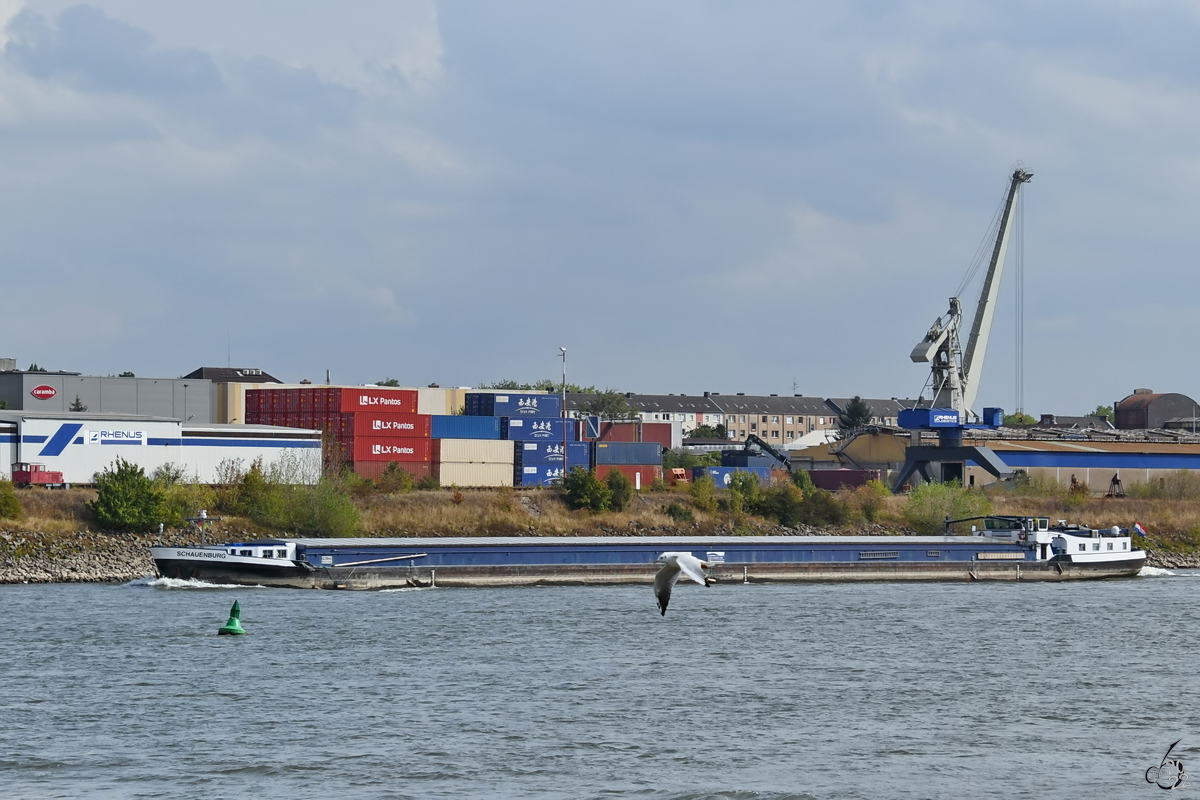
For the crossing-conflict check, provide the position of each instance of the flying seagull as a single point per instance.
(673, 564)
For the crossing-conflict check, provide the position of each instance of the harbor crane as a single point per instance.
(955, 373)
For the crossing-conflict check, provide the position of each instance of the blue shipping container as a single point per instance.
(538, 475)
(631, 453)
(723, 476)
(742, 459)
(479, 404)
(458, 427)
(548, 429)
(579, 454)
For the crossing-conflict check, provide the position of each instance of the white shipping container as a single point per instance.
(473, 451)
(80, 447)
(8, 449)
(450, 473)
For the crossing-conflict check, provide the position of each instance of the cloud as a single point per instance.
(95, 52)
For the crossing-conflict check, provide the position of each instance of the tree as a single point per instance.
(127, 500)
(1103, 411)
(585, 490)
(77, 405)
(609, 404)
(3, 404)
(704, 493)
(35, 368)
(1018, 419)
(707, 432)
(387, 382)
(620, 490)
(856, 414)
(127, 375)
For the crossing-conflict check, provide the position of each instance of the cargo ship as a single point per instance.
(997, 549)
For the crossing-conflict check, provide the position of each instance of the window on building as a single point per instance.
(821, 420)
(742, 434)
(789, 420)
(774, 434)
(691, 418)
(753, 426)
(743, 418)
(774, 420)
(764, 418)
(789, 435)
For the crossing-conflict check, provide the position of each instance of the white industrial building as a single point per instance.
(79, 445)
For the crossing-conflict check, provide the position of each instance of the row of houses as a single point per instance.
(778, 419)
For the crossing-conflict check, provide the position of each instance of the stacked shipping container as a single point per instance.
(369, 428)
(365, 428)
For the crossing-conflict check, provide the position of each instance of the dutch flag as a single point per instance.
(1137, 526)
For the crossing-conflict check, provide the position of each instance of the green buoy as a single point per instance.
(234, 626)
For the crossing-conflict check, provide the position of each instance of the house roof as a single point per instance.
(231, 375)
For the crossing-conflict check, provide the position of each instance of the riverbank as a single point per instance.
(56, 541)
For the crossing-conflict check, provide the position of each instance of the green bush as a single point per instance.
(428, 484)
(788, 506)
(930, 504)
(1180, 485)
(704, 494)
(127, 500)
(658, 485)
(10, 507)
(584, 490)
(747, 485)
(395, 480)
(803, 481)
(679, 513)
(620, 490)
(735, 502)
(867, 501)
(822, 508)
(183, 500)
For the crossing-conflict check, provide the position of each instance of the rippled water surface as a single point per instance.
(793, 691)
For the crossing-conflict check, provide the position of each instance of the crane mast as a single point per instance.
(955, 373)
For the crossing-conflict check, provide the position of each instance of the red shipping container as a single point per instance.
(306, 420)
(375, 469)
(659, 432)
(374, 423)
(649, 472)
(372, 398)
(390, 449)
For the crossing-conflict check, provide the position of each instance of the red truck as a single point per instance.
(26, 474)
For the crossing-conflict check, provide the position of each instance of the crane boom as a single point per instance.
(981, 327)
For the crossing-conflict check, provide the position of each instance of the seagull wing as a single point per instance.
(694, 568)
(664, 581)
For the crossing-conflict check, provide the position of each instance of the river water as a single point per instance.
(787, 691)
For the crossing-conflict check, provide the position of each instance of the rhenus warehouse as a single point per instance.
(81, 445)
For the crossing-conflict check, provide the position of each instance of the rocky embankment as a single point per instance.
(1167, 560)
(78, 557)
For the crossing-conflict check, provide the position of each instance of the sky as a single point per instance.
(777, 197)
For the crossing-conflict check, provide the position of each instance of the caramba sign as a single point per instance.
(43, 392)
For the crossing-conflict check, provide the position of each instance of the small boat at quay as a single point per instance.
(998, 548)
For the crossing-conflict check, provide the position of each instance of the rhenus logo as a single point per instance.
(945, 418)
(69, 433)
(115, 437)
